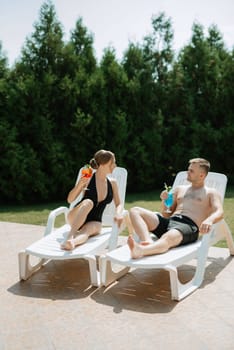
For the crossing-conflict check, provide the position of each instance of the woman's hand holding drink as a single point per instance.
(86, 173)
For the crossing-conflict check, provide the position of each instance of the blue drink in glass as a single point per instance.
(169, 201)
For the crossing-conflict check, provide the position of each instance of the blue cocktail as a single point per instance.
(169, 201)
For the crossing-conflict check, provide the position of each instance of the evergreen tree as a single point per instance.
(58, 106)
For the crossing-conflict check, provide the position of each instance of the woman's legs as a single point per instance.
(77, 217)
(91, 228)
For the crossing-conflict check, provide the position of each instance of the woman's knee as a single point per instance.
(83, 208)
(87, 204)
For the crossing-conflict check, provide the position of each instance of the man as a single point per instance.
(195, 209)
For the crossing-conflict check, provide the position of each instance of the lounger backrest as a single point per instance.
(214, 180)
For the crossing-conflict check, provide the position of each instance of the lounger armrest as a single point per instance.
(52, 217)
(116, 231)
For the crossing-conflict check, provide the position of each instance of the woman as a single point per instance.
(86, 217)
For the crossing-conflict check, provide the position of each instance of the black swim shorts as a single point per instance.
(182, 223)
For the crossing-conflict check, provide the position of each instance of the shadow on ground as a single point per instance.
(57, 280)
(148, 290)
(141, 290)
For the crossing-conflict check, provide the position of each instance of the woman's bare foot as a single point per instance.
(135, 248)
(68, 245)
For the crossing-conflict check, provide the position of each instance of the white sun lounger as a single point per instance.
(175, 257)
(48, 247)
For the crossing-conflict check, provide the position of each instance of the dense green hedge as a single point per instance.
(155, 110)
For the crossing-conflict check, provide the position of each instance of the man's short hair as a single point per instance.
(203, 163)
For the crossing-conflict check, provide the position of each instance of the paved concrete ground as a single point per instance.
(57, 309)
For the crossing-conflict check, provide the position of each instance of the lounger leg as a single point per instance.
(180, 290)
(228, 236)
(93, 270)
(26, 269)
(109, 276)
(174, 281)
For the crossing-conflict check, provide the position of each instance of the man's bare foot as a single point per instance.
(68, 245)
(135, 248)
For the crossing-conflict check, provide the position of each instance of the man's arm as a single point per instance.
(217, 212)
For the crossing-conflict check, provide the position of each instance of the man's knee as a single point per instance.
(172, 238)
(134, 211)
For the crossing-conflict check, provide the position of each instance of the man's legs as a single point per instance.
(168, 240)
(143, 221)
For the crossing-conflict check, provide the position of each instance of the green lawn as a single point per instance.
(38, 214)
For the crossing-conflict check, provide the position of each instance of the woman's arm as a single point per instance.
(77, 189)
(119, 206)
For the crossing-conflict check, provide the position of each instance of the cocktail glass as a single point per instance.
(86, 172)
(169, 201)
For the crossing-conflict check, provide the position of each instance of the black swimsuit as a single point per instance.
(98, 207)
